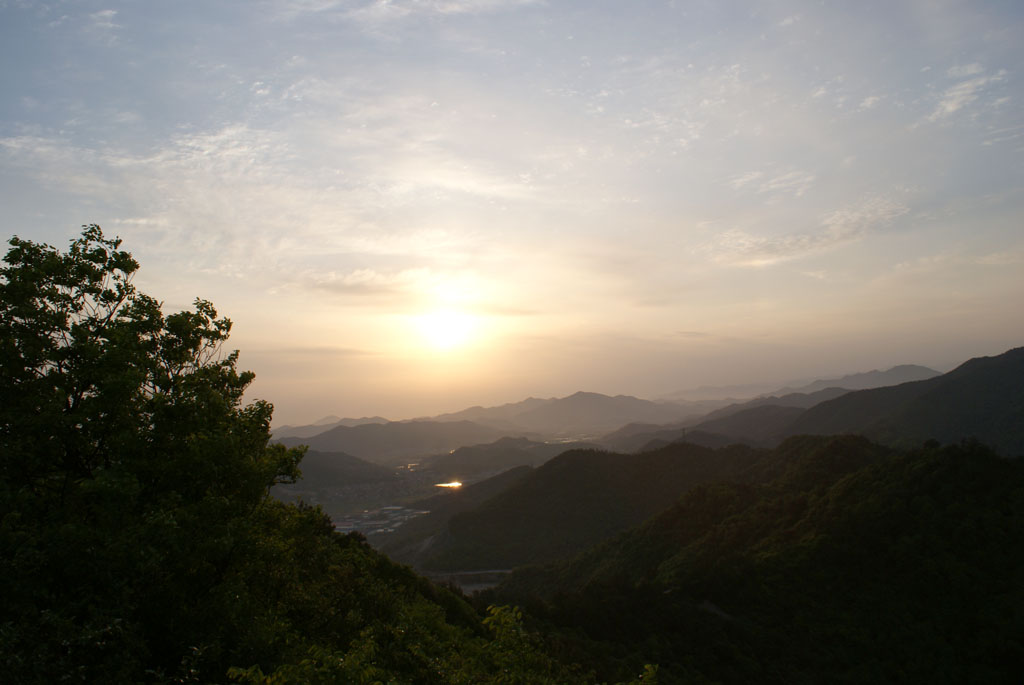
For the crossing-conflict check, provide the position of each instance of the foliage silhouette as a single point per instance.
(138, 542)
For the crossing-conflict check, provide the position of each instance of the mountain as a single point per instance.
(763, 425)
(904, 373)
(411, 542)
(575, 500)
(633, 436)
(855, 381)
(502, 416)
(761, 421)
(851, 563)
(322, 425)
(803, 400)
(579, 414)
(330, 469)
(466, 462)
(335, 480)
(693, 437)
(982, 398)
(728, 393)
(588, 413)
(397, 441)
(644, 437)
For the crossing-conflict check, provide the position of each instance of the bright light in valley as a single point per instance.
(453, 484)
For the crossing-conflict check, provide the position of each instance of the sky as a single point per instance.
(414, 206)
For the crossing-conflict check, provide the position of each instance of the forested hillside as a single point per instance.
(982, 398)
(575, 500)
(852, 564)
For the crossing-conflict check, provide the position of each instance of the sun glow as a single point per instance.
(447, 329)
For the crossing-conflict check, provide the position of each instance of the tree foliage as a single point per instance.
(138, 542)
(132, 474)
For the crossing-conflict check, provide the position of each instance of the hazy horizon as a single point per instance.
(410, 207)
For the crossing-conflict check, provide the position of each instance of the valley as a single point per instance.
(531, 497)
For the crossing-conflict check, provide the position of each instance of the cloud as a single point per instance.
(965, 92)
(1011, 257)
(303, 351)
(965, 70)
(794, 183)
(789, 182)
(102, 25)
(373, 283)
(869, 102)
(382, 11)
(741, 248)
(746, 179)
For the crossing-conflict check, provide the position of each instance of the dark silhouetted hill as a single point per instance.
(853, 564)
(634, 436)
(761, 421)
(982, 398)
(574, 501)
(467, 462)
(411, 541)
(802, 400)
(762, 425)
(339, 468)
(324, 473)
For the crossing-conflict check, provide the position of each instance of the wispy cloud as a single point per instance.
(101, 25)
(965, 92)
(741, 248)
(869, 102)
(376, 284)
(382, 11)
(790, 182)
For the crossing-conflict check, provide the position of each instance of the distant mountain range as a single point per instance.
(394, 442)
(777, 545)
(589, 414)
(582, 414)
(904, 373)
(322, 425)
(854, 381)
(982, 398)
(800, 399)
(581, 496)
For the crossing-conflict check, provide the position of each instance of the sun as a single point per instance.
(447, 329)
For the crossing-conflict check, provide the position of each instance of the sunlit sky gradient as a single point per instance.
(413, 206)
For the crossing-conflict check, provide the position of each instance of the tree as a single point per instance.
(130, 470)
(138, 541)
